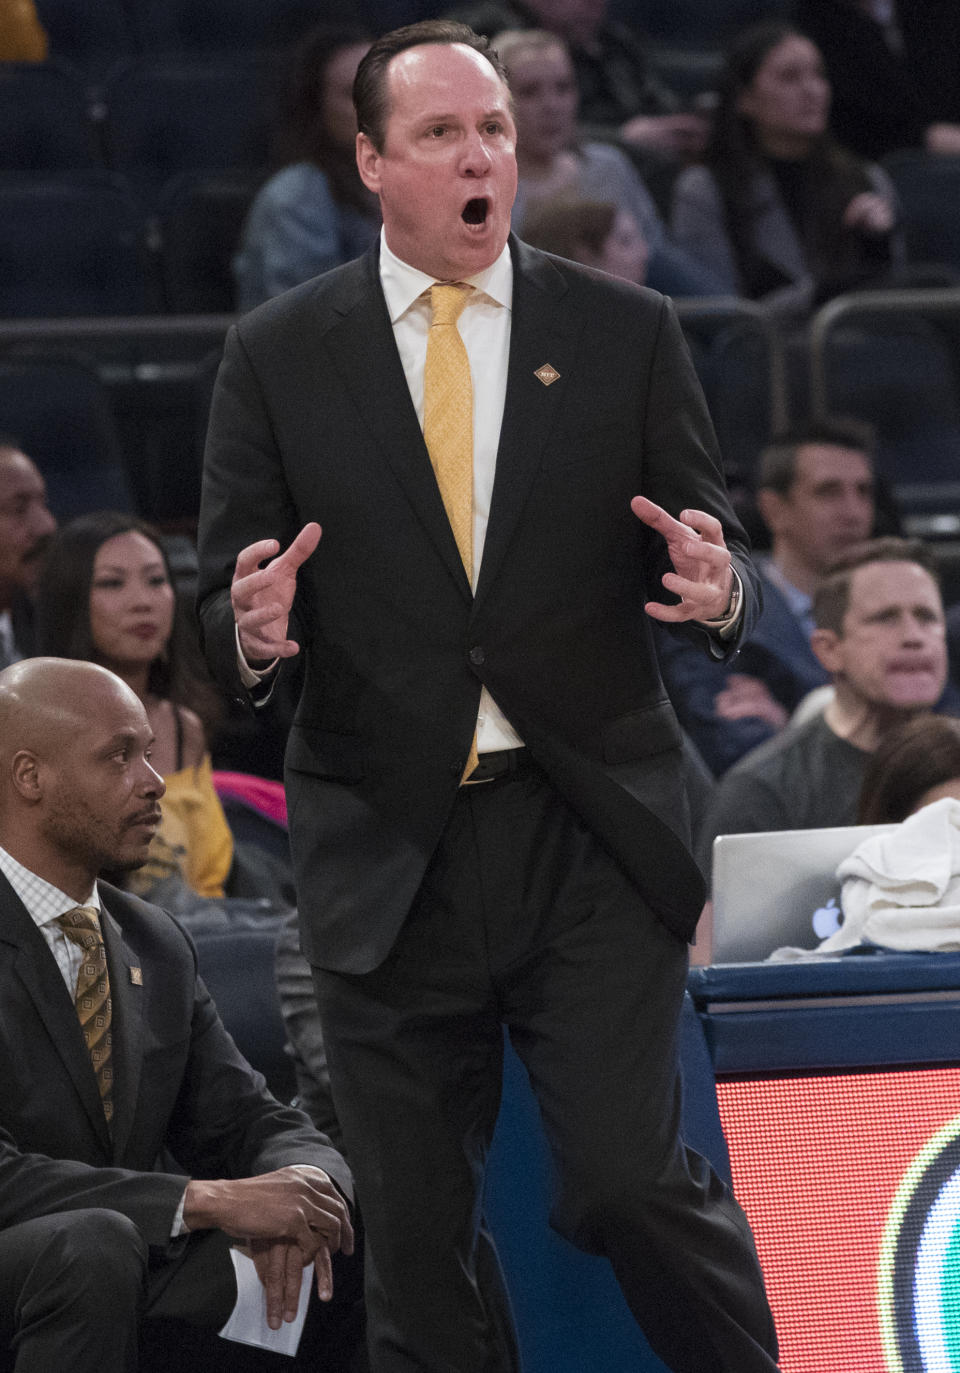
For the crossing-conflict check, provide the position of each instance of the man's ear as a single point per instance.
(772, 507)
(826, 645)
(368, 163)
(25, 774)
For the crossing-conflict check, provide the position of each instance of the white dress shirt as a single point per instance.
(484, 325)
(44, 903)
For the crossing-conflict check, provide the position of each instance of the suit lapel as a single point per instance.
(43, 982)
(126, 994)
(542, 335)
(364, 353)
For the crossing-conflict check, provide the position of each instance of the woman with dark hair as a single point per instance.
(314, 213)
(916, 764)
(106, 596)
(779, 211)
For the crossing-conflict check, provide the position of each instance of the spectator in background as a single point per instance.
(25, 529)
(621, 98)
(914, 765)
(594, 232)
(106, 596)
(553, 160)
(314, 213)
(895, 71)
(816, 497)
(953, 641)
(779, 211)
(880, 635)
(22, 36)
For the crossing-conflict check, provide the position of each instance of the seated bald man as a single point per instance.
(135, 1141)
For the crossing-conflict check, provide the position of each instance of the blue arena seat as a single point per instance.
(695, 23)
(929, 191)
(60, 411)
(902, 378)
(45, 121)
(201, 216)
(208, 26)
(91, 36)
(73, 244)
(167, 117)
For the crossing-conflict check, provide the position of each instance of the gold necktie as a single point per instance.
(92, 997)
(448, 424)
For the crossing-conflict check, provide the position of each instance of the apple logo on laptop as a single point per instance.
(827, 919)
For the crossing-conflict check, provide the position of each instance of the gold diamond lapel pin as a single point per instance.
(547, 374)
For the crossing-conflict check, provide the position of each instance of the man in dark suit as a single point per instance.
(134, 1139)
(548, 885)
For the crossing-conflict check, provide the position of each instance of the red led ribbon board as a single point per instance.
(852, 1186)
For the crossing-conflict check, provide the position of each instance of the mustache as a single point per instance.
(149, 816)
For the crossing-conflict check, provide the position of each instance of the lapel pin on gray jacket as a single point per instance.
(547, 374)
(136, 977)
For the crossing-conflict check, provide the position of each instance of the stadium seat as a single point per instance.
(198, 27)
(73, 244)
(902, 378)
(44, 119)
(733, 355)
(201, 217)
(164, 118)
(60, 411)
(695, 23)
(929, 191)
(92, 37)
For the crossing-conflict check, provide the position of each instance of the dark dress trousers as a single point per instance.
(186, 1105)
(558, 899)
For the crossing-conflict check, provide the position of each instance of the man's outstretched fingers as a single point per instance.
(302, 546)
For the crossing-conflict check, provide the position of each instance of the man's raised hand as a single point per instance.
(262, 597)
(702, 575)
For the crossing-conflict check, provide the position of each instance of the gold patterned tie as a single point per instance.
(448, 424)
(92, 997)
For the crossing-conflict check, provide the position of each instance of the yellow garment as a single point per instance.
(194, 839)
(22, 36)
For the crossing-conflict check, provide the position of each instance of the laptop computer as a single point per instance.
(778, 887)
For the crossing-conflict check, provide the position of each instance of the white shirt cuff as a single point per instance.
(250, 676)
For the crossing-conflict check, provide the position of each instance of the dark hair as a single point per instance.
(778, 462)
(734, 157)
(832, 596)
(10, 441)
(63, 608)
(566, 225)
(922, 753)
(302, 135)
(370, 87)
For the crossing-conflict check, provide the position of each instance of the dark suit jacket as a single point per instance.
(312, 419)
(186, 1102)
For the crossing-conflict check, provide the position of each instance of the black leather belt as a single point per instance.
(497, 764)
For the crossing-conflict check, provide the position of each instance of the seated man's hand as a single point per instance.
(746, 697)
(297, 1207)
(280, 1265)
